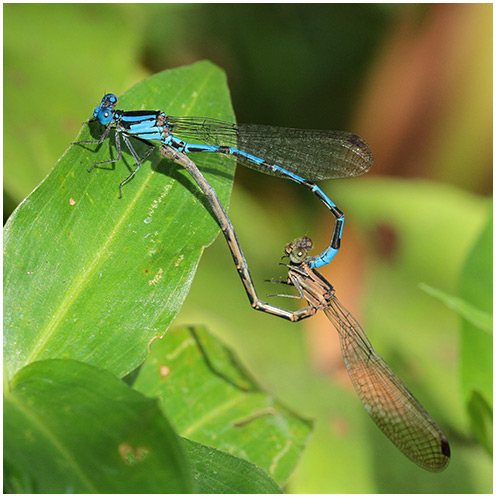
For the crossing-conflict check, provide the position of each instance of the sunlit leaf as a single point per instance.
(92, 277)
(211, 399)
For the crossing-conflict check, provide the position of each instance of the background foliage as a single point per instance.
(415, 81)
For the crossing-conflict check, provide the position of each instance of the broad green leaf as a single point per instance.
(92, 277)
(217, 472)
(72, 428)
(210, 399)
(476, 317)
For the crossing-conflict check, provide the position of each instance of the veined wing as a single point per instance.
(386, 398)
(313, 154)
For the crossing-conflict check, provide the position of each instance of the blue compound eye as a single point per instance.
(109, 100)
(104, 115)
(104, 111)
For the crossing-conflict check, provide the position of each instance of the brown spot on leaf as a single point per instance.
(132, 455)
(164, 370)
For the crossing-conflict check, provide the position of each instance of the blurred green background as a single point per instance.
(416, 82)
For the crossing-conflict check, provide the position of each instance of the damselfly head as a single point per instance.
(104, 112)
(297, 250)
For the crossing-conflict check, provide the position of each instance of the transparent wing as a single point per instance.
(386, 398)
(314, 154)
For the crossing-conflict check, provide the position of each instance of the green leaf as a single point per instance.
(92, 277)
(477, 317)
(217, 472)
(481, 420)
(476, 287)
(209, 398)
(72, 428)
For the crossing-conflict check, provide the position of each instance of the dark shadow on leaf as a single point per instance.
(249, 385)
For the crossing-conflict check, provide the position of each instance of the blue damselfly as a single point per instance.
(300, 155)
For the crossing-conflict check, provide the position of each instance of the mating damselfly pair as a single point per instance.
(303, 156)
